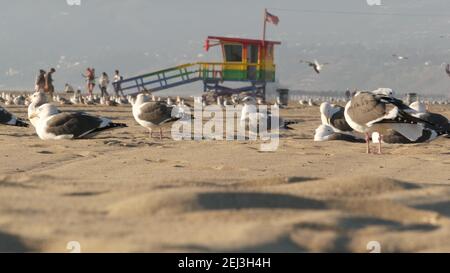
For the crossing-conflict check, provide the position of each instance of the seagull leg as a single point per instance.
(380, 138)
(160, 133)
(368, 143)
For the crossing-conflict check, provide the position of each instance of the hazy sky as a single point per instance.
(138, 36)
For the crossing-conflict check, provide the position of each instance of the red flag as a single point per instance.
(272, 18)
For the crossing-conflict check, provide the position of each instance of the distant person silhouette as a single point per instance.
(103, 84)
(49, 87)
(348, 95)
(90, 80)
(117, 78)
(40, 81)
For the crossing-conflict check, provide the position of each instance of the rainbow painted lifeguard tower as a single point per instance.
(247, 61)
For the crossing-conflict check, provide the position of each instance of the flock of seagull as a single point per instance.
(375, 115)
(382, 118)
(52, 124)
(75, 99)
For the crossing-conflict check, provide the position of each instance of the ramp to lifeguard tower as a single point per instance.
(160, 80)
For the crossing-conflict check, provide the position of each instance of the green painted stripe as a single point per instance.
(241, 75)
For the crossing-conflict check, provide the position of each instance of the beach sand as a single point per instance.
(122, 192)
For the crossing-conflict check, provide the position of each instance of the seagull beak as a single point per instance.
(33, 115)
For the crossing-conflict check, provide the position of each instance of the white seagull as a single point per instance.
(326, 133)
(153, 114)
(398, 57)
(37, 99)
(250, 112)
(333, 116)
(368, 113)
(315, 65)
(54, 125)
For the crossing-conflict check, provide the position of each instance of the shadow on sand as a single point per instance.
(11, 243)
(250, 200)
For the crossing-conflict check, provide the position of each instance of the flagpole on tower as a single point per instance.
(264, 28)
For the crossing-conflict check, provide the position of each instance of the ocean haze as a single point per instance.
(139, 36)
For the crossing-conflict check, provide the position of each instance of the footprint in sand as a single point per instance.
(45, 152)
(85, 154)
(36, 146)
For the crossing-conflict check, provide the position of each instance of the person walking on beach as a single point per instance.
(348, 95)
(49, 88)
(103, 84)
(90, 80)
(40, 81)
(116, 79)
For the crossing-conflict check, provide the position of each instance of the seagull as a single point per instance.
(394, 137)
(54, 125)
(398, 57)
(419, 107)
(447, 69)
(315, 65)
(6, 118)
(62, 101)
(19, 100)
(76, 98)
(311, 102)
(368, 113)
(333, 116)
(250, 112)
(384, 91)
(153, 114)
(326, 133)
(234, 100)
(438, 120)
(37, 99)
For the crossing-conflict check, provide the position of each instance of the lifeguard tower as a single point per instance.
(248, 61)
(244, 60)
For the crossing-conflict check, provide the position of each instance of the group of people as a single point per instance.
(103, 82)
(44, 82)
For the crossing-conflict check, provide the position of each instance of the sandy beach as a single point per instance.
(122, 192)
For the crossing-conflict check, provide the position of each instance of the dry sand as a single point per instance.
(123, 192)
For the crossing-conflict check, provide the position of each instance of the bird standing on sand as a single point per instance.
(6, 118)
(153, 114)
(250, 114)
(368, 113)
(54, 125)
(315, 65)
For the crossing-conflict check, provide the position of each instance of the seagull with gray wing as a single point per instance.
(54, 125)
(368, 113)
(154, 114)
(6, 118)
(315, 65)
(447, 69)
(399, 57)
